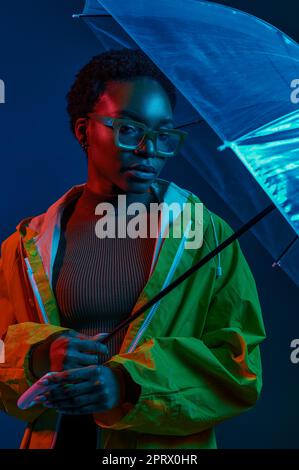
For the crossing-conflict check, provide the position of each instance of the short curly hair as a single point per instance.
(115, 64)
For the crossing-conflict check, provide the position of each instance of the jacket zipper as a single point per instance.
(45, 319)
(165, 284)
(28, 292)
(36, 291)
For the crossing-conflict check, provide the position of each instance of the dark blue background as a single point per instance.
(42, 48)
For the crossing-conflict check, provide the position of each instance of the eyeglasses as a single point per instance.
(129, 134)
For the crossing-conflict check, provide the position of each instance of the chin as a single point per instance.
(139, 187)
(134, 186)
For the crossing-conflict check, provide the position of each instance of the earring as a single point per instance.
(84, 145)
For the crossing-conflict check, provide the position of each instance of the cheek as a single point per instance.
(100, 137)
(106, 159)
(161, 165)
(103, 150)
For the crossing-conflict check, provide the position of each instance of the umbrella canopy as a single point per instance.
(237, 71)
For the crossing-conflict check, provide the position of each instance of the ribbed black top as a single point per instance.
(97, 281)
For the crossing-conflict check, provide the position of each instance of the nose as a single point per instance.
(147, 147)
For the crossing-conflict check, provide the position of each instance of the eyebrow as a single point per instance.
(134, 115)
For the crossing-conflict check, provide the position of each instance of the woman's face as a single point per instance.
(141, 99)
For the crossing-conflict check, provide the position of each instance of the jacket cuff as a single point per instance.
(130, 391)
(28, 371)
(129, 395)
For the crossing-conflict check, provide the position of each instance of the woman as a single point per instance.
(162, 383)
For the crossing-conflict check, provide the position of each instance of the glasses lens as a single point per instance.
(167, 142)
(130, 134)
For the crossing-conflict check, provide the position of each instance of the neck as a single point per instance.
(90, 198)
(110, 194)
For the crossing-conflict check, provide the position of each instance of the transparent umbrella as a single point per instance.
(233, 73)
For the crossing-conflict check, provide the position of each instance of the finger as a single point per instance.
(63, 390)
(66, 391)
(83, 360)
(99, 337)
(72, 375)
(78, 401)
(90, 346)
(76, 334)
(93, 408)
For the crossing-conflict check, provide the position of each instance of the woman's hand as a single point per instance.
(90, 389)
(67, 350)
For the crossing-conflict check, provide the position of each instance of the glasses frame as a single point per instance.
(116, 123)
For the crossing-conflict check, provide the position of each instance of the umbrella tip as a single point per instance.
(276, 263)
(224, 146)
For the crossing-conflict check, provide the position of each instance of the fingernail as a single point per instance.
(31, 404)
(40, 398)
(47, 378)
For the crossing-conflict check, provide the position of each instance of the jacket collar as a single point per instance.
(44, 229)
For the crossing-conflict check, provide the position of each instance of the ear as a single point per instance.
(80, 129)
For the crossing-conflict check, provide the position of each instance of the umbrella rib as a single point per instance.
(189, 123)
(81, 15)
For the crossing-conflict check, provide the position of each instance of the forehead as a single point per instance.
(142, 96)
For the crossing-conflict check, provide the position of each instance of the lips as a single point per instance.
(143, 168)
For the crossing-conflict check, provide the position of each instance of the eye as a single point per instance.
(163, 137)
(128, 130)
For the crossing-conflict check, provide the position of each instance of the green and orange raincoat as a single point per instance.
(195, 354)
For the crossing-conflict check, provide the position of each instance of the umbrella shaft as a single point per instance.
(190, 271)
